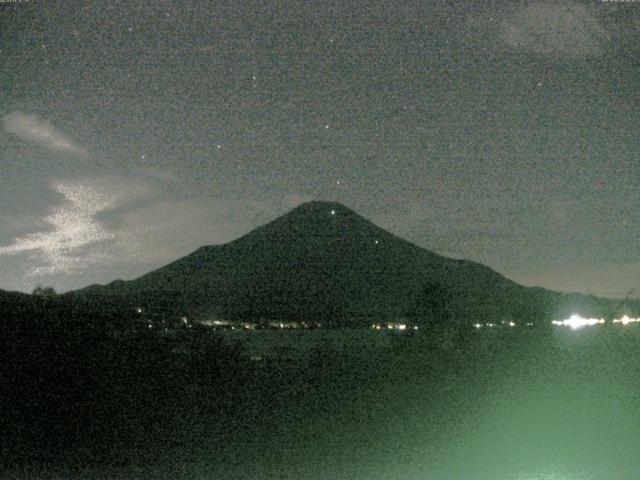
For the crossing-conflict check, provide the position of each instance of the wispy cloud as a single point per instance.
(107, 221)
(35, 129)
(605, 279)
(71, 227)
(555, 28)
(86, 228)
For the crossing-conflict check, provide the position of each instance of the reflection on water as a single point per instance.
(501, 404)
(554, 473)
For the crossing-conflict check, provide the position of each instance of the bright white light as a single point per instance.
(333, 212)
(402, 326)
(477, 325)
(576, 321)
(625, 320)
(512, 324)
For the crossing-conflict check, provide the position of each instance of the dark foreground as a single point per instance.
(504, 404)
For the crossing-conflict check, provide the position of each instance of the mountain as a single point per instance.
(13, 306)
(12, 298)
(323, 261)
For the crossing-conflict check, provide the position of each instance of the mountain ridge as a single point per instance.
(322, 260)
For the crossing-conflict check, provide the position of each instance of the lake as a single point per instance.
(521, 404)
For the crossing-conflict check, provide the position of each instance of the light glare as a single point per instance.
(576, 321)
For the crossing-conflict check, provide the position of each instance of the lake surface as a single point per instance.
(518, 404)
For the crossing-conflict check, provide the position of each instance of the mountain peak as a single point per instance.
(316, 219)
(319, 207)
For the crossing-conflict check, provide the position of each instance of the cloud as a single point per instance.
(87, 228)
(555, 28)
(163, 230)
(34, 129)
(124, 226)
(70, 227)
(605, 279)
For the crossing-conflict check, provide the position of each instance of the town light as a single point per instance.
(576, 321)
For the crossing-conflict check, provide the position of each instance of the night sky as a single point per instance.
(132, 132)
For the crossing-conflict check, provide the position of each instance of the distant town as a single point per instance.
(574, 322)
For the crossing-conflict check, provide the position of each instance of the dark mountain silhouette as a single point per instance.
(12, 296)
(324, 262)
(14, 304)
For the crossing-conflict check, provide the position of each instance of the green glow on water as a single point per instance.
(502, 405)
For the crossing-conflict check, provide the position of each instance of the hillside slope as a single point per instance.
(324, 261)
